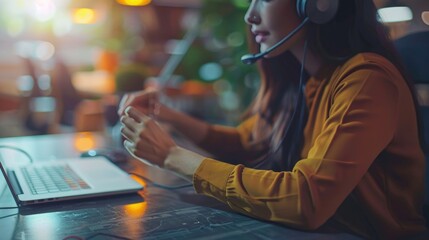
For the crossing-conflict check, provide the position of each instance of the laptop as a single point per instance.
(66, 179)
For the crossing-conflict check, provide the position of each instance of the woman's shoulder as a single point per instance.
(374, 68)
(369, 60)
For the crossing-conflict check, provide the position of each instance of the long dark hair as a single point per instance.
(354, 29)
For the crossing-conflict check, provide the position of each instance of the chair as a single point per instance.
(39, 107)
(65, 92)
(414, 51)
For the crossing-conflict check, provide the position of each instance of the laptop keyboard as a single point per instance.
(51, 179)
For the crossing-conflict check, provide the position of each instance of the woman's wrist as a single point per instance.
(166, 114)
(183, 161)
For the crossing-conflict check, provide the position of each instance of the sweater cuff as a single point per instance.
(211, 178)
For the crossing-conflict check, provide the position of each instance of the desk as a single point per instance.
(153, 213)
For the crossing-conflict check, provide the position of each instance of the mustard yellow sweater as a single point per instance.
(361, 168)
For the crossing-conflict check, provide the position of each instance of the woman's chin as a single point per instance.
(274, 53)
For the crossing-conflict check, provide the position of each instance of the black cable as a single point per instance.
(160, 185)
(75, 237)
(19, 150)
(1, 208)
(10, 215)
(107, 235)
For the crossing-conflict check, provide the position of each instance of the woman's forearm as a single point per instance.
(183, 161)
(194, 129)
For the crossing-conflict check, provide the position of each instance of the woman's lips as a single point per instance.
(260, 37)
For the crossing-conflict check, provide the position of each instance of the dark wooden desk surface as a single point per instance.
(153, 213)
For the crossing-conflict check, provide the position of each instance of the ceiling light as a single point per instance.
(84, 16)
(134, 3)
(395, 14)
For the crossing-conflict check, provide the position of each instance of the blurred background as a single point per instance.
(64, 64)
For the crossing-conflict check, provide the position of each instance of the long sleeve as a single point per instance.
(230, 143)
(353, 130)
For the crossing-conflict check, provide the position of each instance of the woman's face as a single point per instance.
(271, 21)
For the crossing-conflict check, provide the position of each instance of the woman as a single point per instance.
(344, 152)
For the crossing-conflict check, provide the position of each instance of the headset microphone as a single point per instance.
(252, 58)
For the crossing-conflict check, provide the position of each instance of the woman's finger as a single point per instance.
(129, 145)
(136, 115)
(138, 154)
(129, 134)
(121, 106)
(141, 99)
(131, 123)
(139, 141)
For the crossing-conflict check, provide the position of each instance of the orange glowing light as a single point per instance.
(84, 141)
(84, 16)
(108, 61)
(135, 210)
(193, 87)
(134, 3)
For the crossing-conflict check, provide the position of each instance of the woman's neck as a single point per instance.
(313, 62)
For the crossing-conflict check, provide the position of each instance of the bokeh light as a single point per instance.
(40, 50)
(15, 26)
(134, 2)
(43, 10)
(84, 141)
(425, 17)
(241, 3)
(62, 25)
(229, 100)
(235, 39)
(210, 71)
(25, 84)
(395, 14)
(84, 16)
(221, 86)
(44, 51)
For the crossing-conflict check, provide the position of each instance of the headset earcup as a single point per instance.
(318, 11)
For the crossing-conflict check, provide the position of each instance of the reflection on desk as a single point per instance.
(154, 213)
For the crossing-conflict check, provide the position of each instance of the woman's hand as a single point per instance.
(144, 137)
(147, 141)
(146, 101)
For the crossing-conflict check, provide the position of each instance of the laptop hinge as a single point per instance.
(14, 182)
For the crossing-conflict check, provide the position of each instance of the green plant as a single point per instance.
(222, 40)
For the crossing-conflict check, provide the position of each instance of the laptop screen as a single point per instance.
(4, 181)
(2, 185)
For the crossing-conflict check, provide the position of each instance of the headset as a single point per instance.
(318, 11)
(315, 11)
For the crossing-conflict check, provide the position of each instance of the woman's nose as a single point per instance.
(251, 16)
(252, 19)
